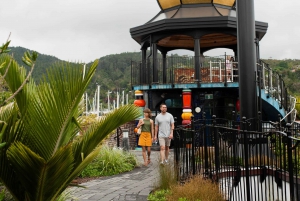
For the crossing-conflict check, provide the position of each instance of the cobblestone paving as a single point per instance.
(131, 186)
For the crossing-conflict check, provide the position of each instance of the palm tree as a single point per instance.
(43, 152)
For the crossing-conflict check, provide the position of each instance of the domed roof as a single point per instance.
(176, 9)
(179, 22)
(165, 4)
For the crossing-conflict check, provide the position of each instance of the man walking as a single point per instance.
(164, 126)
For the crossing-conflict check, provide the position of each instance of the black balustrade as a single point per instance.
(248, 165)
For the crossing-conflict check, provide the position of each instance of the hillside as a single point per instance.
(114, 72)
(289, 69)
(43, 62)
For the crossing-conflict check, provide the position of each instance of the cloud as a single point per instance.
(78, 30)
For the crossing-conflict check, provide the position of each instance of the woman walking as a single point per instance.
(147, 134)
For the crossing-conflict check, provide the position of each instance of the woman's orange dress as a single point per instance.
(145, 137)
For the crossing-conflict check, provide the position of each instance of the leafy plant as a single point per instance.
(66, 195)
(110, 161)
(159, 195)
(42, 154)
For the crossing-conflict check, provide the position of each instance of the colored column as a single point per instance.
(187, 106)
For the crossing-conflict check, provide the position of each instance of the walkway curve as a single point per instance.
(130, 186)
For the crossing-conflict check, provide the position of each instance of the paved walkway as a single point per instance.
(131, 186)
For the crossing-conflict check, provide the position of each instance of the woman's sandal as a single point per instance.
(149, 161)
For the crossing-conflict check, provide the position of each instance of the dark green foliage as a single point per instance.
(114, 73)
(289, 69)
(110, 162)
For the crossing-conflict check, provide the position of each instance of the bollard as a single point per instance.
(125, 140)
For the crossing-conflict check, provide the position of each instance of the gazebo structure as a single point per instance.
(212, 84)
(239, 154)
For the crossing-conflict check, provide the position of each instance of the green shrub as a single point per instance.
(159, 195)
(110, 161)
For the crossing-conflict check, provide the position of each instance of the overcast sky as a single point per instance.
(84, 30)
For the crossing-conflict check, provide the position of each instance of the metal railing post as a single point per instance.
(290, 161)
(193, 145)
(118, 137)
(259, 100)
(286, 99)
(281, 92)
(216, 139)
(205, 147)
(263, 75)
(210, 70)
(278, 86)
(172, 72)
(220, 71)
(246, 153)
(132, 76)
(271, 82)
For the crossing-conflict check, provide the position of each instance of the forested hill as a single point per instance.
(43, 62)
(113, 72)
(289, 69)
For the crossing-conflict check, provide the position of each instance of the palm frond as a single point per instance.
(9, 115)
(15, 77)
(41, 179)
(50, 116)
(97, 132)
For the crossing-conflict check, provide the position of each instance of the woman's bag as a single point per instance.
(139, 130)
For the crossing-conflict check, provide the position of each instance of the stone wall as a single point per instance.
(112, 139)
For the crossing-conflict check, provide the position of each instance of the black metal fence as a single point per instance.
(248, 165)
(173, 70)
(273, 84)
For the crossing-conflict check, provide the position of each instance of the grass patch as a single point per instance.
(167, 177)
(110, 161)
(167, 188)
(195, 189)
